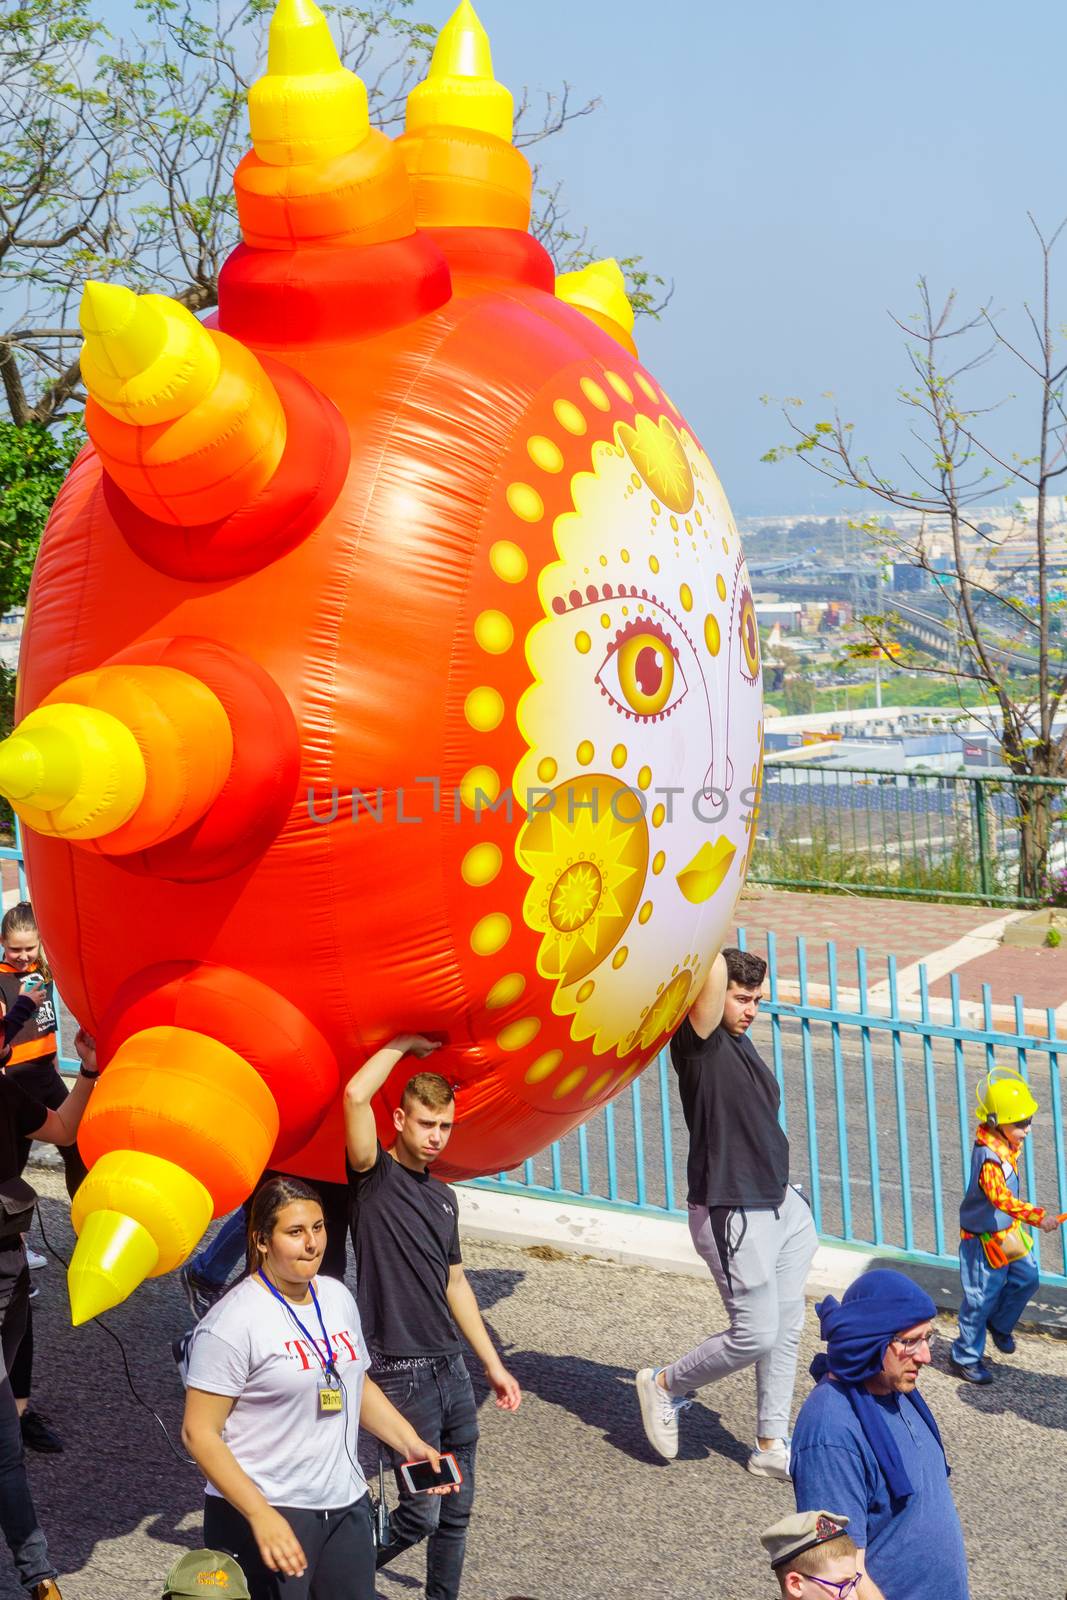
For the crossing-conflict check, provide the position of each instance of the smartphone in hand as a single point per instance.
(420, 1476)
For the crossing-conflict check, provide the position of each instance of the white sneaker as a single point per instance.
(35, 1259)
(772, 1463)
(659, 1413)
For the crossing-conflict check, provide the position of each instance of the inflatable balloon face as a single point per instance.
(391, 665)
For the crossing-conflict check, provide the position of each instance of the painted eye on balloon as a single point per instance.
(641, 674)
(749, 634)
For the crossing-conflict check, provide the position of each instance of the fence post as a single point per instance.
(981, 824)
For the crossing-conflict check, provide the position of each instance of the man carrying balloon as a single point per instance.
(415, 1303)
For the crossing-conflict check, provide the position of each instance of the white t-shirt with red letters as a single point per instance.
(249, 1346)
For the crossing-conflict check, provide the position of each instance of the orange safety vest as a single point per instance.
(37, 1036)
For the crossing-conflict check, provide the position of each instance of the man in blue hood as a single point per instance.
(866, 1442)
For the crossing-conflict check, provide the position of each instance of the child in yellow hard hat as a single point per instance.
(998, 1271)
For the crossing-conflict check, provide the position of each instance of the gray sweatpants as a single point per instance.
(768, 1258)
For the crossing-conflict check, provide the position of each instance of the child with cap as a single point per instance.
(205, 1572)
(812, 1556)
(997, 1269)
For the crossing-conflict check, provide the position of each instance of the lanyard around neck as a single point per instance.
(328, 1364)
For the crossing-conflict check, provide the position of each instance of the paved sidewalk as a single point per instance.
(947, 939)
(571, 1503)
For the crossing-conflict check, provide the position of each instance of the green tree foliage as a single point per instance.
(117, 158)
(34, 460)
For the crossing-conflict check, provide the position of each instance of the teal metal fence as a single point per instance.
(877, 1099)
(920, 834)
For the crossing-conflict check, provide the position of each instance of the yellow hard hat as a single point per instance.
(1004, 1096)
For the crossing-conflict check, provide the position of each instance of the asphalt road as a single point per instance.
(571, 1504)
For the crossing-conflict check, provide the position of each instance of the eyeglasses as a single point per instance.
(1023, 1122)
(911, 1347)
(842, 1590)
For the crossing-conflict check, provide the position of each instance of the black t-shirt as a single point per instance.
(20, 1118)
(738, 1154)
(405, 1234)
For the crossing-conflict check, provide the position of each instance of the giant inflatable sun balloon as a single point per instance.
(390, 664)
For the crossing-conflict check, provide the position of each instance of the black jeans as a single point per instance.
(438, 1400)
(18, 1519)
(339, 1546)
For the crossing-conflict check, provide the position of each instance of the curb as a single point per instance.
(662, 1244)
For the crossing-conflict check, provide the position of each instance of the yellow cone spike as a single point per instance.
(113, 1255)
(168, 1202)
(599, 290)
(459, 90)
(72, 772)
(145, 358)
(307, 107)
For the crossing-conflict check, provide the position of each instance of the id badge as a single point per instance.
(331, 1400)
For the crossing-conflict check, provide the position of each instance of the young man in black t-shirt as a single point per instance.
(414, 1300)
(747, 1222)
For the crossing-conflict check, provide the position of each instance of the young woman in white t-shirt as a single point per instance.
(277, 1390)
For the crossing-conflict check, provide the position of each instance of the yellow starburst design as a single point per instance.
(665, 1014)
(588, 869)
(658, 455)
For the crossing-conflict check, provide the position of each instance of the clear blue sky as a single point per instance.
(794, 169)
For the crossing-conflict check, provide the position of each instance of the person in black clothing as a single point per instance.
(747, 1221)
(414, 1300)
(20, 1119)
(30, 1057)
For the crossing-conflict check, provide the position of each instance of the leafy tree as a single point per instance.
(34, 460)
(118, 156)
(1000, 635)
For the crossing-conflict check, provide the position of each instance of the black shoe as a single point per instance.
(971, 1372)
(200, 1292)
(37, 1435)
(1004, 1342)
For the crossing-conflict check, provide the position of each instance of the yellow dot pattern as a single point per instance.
(595, 394)
(479, 785)
(645, 387)
(582, 643)
(685, 594)
(645, 912)
(525, 502)
(567, 1085)
(544, 1066)
(644, 777)
(508, 561)
(494, 632)
(547, 769)
(505, 991)
(712, 637)
(619, 958)
(517, 1035)
(484, 709)
(568, 416)
(621, 387)
(659, 811)
(544, 453)
(596, 1086)
(720, 586)
(490, 934)
(657, 863)
(481, 864)
(585, 992)
(618, 756)
(585, 752)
